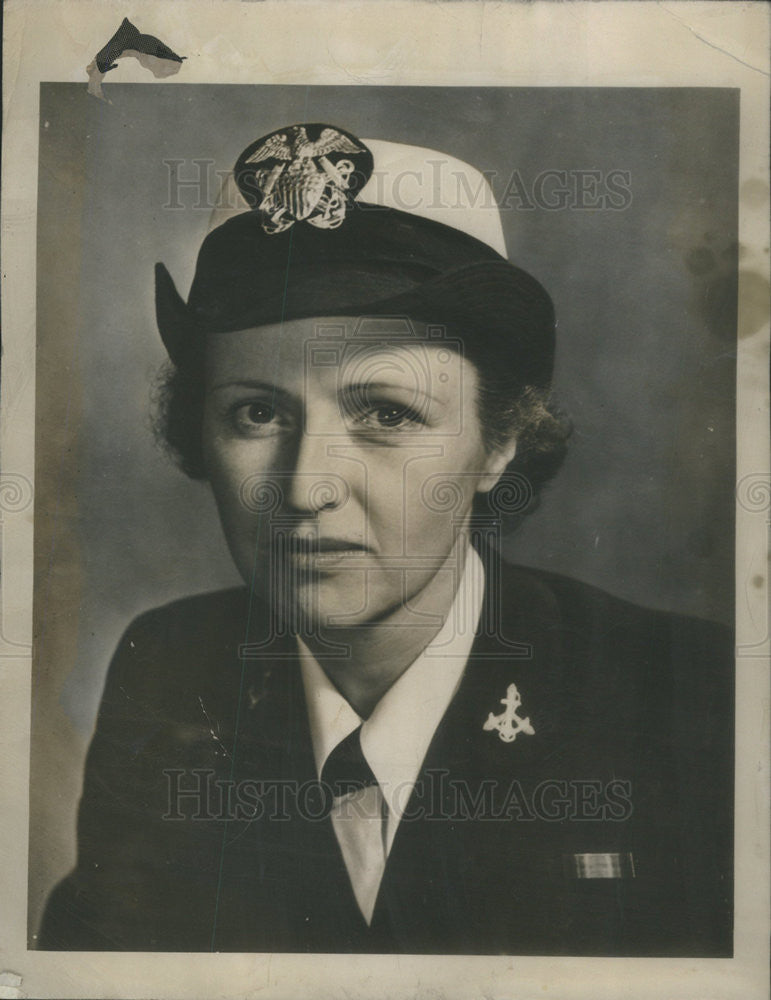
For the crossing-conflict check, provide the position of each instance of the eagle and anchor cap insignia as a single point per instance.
(303, 173)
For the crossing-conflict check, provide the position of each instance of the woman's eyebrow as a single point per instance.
(362, 388)
(249, 383)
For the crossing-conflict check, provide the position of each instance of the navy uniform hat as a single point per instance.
(315, 222)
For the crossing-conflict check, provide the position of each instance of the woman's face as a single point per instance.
(344, 462)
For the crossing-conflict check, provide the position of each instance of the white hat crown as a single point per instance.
(413, 179)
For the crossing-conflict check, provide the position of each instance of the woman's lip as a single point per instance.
(317, 553)
(320, 558)
(323, 546)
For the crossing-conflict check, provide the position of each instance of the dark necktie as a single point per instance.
(359, 822)
(346, 769)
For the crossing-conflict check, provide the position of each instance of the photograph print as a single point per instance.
(385, 457)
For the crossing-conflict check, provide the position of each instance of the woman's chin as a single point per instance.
(356, 600)
(327, 600)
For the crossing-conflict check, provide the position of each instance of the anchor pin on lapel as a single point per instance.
(508, 723)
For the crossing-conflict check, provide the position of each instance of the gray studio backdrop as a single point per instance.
(621, 201)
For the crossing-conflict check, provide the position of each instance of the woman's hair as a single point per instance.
(505, 406)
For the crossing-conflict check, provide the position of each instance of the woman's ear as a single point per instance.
(496, 464)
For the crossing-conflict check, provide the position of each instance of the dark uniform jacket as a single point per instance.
(202, 825)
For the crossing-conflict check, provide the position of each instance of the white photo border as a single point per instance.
(339, 42)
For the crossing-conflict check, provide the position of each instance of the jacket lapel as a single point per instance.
(439, 876)
(284, 883)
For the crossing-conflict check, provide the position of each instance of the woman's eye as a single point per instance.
(387, 417)
(255, 418)
(394, 416)
(259, 413)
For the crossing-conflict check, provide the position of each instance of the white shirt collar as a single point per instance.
(396, 736)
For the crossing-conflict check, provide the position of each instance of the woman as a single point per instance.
(389, 740)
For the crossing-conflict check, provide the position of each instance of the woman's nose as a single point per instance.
(315, 482)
